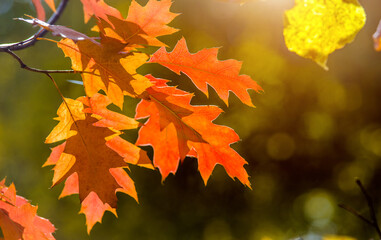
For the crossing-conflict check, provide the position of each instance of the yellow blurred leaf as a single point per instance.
(315, 28)
(333, 237)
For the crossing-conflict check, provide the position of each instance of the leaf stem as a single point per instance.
(68, 108)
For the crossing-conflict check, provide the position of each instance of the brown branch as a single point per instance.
(373, 222)
(354, 212)
(26, 67)
(370, 206)
(41, 32)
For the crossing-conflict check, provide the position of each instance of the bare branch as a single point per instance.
(357, 214)
(373, 222)
(41, 32)
(370, 206)
(24, 66)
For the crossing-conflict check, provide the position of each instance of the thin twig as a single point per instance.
(371, 207)
(357, 214)
(373, 222)
(41, 32)
(26, 67)
(68, 108)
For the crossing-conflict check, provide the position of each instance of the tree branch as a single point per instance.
(24, 66)
(370, 206)
(41, 32)
(373, 222)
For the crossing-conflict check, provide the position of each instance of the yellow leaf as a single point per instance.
(315, 28)
(63, 130)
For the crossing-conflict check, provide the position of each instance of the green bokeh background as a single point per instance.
(312, 132)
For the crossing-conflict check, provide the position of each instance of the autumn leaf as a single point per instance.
(57, 30)
(98, 105)
(18, 218)
(111, 70)
(203, 68)
(92, 160)
(40, 9)
(128, 33)
(99, 9)
(377, 38)
(142, 26)
(152, 18)
(314, 29)
(175, 129)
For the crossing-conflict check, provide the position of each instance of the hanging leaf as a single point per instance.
(176, 129)
(18, 218)
(315, 28)
(92, 160)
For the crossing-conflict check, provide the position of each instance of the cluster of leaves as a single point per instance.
(18, 218)
(89, 134)
(92, 158)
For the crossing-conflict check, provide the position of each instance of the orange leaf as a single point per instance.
(204, 68)
(113, 71)
(152, 18)
(92, 164)
(99, 9)
(18, 219)
(128, 33)
(40, 9)
(377, 38)
(142, 25)
(98, 105)
(175, 129)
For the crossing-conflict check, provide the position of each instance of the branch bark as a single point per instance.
(41, 32)
(373, 221)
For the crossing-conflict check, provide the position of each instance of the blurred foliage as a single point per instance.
(312, 132)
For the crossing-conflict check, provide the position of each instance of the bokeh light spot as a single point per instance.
(319, 126)
(217, 230)
(318, 205)
(280, 146)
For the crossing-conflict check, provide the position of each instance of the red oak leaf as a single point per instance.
(204, 68)
(152, 18)
(111, 70)
(18, 218)
(142, 25)
(40, 9)
(99, 9)
(97, 104)
(175, 129)
(92, 160)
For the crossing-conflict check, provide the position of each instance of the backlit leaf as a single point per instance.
(316, 28)
(40, 9)
(18, 218)
(204, 68)
(113, 71)
(91, 161)
(175, 129)
(99, 9)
